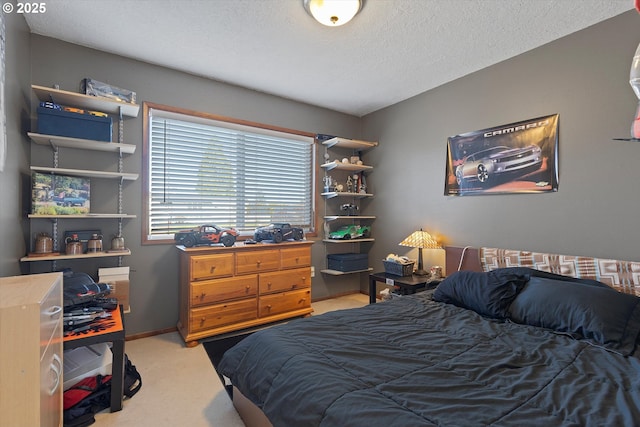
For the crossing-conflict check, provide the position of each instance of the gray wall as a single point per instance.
(154, 276)
(14, 228)
(585, 79)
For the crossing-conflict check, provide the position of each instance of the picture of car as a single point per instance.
(278, 232)
(206, 235)
(351, 231)
(70, 201)
(487, 164)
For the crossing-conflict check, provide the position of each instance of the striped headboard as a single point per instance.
(623, 276)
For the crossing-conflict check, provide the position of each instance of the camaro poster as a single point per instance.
(519, 157)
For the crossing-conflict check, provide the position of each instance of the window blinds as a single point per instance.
(209, 172)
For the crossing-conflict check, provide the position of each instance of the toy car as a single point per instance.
(206, 235)
(351, 232)
(278, 232)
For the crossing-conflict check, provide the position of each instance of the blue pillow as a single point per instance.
(489, 294)
(600, 315)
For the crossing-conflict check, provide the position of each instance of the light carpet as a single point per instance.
(181, 387)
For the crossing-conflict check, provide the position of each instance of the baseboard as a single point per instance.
(341, 294)
(150, 334)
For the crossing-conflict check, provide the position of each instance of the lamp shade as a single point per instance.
(421, 239)
(333, 13)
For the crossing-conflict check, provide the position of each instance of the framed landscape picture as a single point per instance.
(59, 194)
(519, 157)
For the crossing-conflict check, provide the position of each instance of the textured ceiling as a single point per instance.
(391, 51)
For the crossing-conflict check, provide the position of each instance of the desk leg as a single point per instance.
(372, 290)
(117, 378)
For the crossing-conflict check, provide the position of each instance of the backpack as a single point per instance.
(93, 394)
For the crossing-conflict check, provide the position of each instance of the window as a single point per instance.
(204, 169)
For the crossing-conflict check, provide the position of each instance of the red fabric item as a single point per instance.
(637, 5)
(82, 389)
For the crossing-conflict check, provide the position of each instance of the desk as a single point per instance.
(114, 333)
(406, 284)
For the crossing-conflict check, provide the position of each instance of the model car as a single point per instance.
(351, 232)
(486, 164)
(278, 232)
(206, 235)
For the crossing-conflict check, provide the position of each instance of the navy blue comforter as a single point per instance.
(415, 362)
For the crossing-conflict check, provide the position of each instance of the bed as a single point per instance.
(515, 338)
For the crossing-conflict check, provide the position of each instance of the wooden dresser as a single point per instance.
(224, 289)
(31, 350)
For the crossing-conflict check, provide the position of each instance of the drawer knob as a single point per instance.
(302, 300)
(304, 279)
(248, 288)
(297, 260)
(202, 320)
(269, 285)
(202, 295)
(213, 267)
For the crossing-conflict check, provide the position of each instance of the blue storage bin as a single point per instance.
(348, 262)
(74, 125)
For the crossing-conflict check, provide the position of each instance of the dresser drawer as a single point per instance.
(295, 257)
(257, 261)
(218, 290)
(284, 302)
(287, 280)
(50, 315)
(51, 385)
(222, 314)
(211, 266)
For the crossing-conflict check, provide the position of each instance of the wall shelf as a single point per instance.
(83, 144)
(81, 100)
(77, 256)
(349, 143)
(92, 103)
(340, 176)
(333, 194)
(80, 216)
(348, 240)
(87, 173)
(345, 166)
(347, 217)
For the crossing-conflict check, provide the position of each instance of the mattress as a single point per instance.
(413, 361)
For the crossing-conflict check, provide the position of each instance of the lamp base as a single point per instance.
(421, 272)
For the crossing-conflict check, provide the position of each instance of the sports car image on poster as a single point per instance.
(486, 164)
(514, 158)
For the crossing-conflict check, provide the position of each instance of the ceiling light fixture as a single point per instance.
(333, 13)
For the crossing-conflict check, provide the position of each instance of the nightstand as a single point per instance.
(405, 284)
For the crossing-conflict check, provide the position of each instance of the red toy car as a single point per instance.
(206, 235)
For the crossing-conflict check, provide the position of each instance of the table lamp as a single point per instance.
(421, 240)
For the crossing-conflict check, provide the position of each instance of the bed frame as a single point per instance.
(624, 276)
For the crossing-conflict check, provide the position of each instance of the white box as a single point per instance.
(82, 362)
(118, 279)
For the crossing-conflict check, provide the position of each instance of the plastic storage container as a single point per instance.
(74, 125)
(348, 262)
